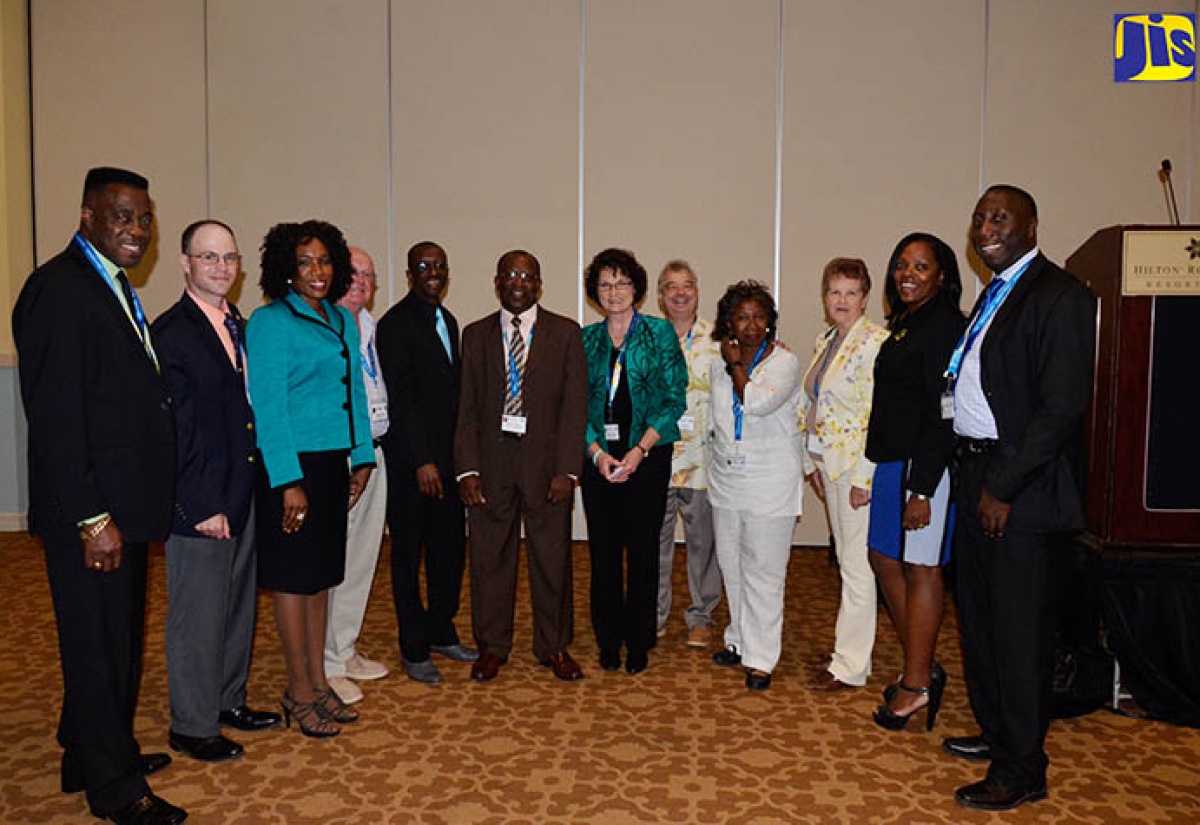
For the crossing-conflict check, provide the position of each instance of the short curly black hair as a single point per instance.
(618, 260)
(279, 257)
(736, 294)
(951, 289)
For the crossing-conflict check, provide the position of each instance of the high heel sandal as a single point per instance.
(331, 707)
(309, 718)
(885, 717)
(936, 674)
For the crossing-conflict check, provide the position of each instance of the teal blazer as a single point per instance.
(306, 386)
(657, 379)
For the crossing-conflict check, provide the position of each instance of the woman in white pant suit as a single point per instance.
(755, 477)
(834, 413)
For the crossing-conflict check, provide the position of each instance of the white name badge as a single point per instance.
(687, 423)
(736, 464)
(814, 445)
(612, 432)
(948, 406)
(514, 424)
(379, 412)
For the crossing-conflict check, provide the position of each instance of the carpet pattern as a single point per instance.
(683, 742)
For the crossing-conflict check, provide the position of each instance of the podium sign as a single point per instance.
(1160, 262)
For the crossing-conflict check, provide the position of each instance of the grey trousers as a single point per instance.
(703, 574)
(211, 585)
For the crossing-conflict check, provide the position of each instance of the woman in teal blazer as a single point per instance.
(637, 385)
(310, 406)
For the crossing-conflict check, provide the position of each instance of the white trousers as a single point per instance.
(854, 636)
(753, 553)
(348, 601)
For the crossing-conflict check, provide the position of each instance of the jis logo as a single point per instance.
(1154, 47)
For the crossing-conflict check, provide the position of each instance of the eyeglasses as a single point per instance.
(518, 276)
(615, 286)
(425, 267)
(363, 273)
(212, 258)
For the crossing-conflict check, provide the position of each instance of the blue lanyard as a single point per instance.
(991, 306)
(830, 340)
(691, 332)
(139, 315)
(514, 369)
(369, 364)
(614, 376)
(738, 414)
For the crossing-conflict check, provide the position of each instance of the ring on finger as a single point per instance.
(97, 564)
(300, 516)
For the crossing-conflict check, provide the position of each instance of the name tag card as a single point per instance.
(948, 406)
(514, 424)
(687, 423)
(814, 445)
(379, 412)
(612, 432)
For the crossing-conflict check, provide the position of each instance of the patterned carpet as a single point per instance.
(683, 742)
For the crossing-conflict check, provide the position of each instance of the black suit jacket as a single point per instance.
(101, 438)
(422, 386)
(1037, 363)
(554, 398)
(214, 427)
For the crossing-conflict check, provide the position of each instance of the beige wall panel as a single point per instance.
(881, 137)
(679, 157)
(298, 121)
(119, 84)
(1087, 148)
(485, 149)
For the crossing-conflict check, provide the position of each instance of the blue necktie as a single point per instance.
(235, 335)
(444, 333)
(989, 296)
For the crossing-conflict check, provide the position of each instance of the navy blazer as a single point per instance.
(101, 437)
(1037, 363)
(422, 385)
(214, 427)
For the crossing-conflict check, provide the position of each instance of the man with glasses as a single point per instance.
(517, 449)
(418, 352)
(344, 665)
(211, 561)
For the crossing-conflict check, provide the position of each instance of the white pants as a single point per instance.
(753, 553)
(854, 636)
(348, 601)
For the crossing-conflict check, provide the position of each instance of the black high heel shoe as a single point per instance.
(936, 674)
(331, 706)
(308, 718)
(886, 718)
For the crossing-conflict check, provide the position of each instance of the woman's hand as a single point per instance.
(633, 460)
(295, 508)
(611, 469)
(916, 513)
(730, 350)
(860, 497)
(358, 483)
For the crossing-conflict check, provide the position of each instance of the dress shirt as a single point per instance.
(377, 401)
(216, 317)
(689, 461)
(528, 321)
(972, 414)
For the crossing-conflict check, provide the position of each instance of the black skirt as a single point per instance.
(314, 557)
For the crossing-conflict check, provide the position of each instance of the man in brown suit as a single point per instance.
(518, 449)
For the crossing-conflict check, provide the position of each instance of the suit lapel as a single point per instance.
(209, 339)
(112, 303)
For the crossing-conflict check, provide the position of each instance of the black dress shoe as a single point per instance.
(967, 747)
(148, 810)
(249, 720)
(994, 795)
(610, 659)
(153, 762)
(205, 748)
(757, 680)
(727, 657)
(636, 661)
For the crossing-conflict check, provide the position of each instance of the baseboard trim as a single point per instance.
(13, 523)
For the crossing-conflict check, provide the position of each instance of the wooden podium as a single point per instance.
(1143, 489)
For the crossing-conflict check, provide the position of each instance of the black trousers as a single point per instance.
(1004, 606)
(435, 530)
(101, 627)
(623, 523)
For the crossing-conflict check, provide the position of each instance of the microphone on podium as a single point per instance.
(1172, 204)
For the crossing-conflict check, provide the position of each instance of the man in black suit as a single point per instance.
(520, 426)
(417, 340)
(211, 569)
(1021, 377)
(101, 477)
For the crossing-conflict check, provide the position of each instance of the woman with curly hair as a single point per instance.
(310, 408)
(755, 475)
(637, 385)
(910, 439)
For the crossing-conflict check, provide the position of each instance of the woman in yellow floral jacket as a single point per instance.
(834, 412)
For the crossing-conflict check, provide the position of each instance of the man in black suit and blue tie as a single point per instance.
(101, 477)
(1021, 379)
(211, 564)
(417, 341)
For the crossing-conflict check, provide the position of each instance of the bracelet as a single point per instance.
(596, 458)
(94, 529)
(645, 452)
(920, 497)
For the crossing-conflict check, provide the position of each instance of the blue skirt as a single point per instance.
(929, 546)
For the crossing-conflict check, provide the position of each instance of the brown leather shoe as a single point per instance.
(486, 667)
(826, 682)
(564, 666)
